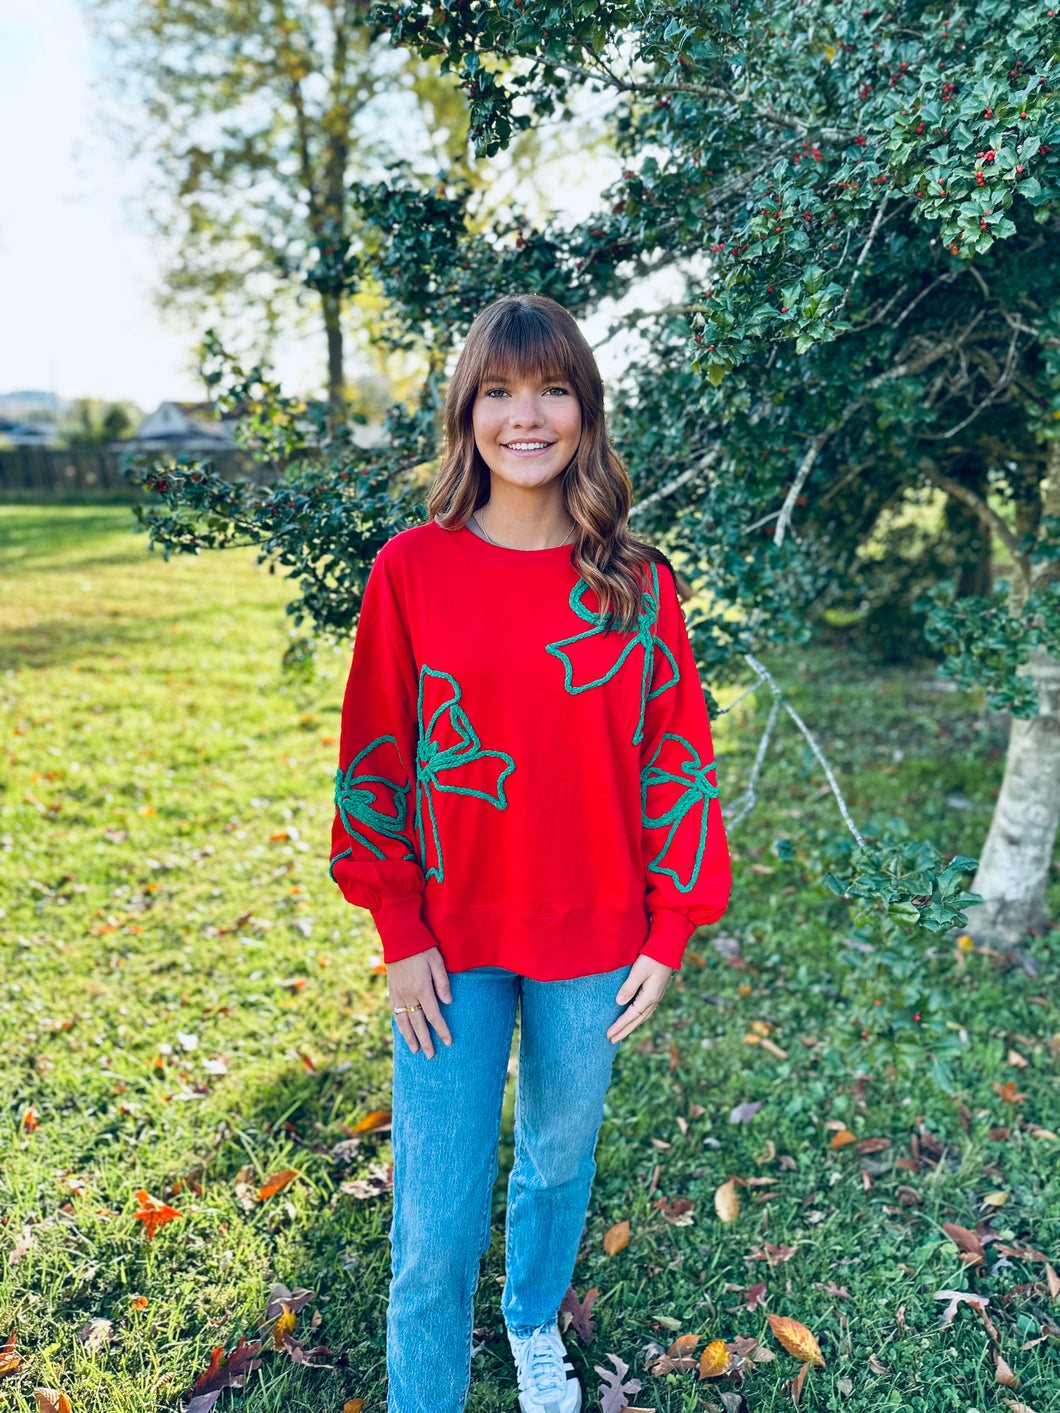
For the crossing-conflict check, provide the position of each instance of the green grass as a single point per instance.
(164, 829)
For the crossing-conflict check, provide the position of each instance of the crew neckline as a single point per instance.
(504, 558)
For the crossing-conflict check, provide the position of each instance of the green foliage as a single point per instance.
(139, 893)
(986, 645)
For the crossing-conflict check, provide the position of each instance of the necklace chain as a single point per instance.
(492, 541)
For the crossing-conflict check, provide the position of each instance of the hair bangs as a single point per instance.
(525, 345)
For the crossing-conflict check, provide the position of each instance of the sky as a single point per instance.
(76, 275)
(78, 268)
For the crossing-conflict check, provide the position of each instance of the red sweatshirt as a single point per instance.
(517, 785)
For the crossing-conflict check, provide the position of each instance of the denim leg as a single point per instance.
(445, 1134)
(565, 1061)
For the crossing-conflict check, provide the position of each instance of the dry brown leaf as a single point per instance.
(769, 1153)
(774, 1049)
(726, 1202)
(873, 1145)
(842, 1138)
(762, 1028)
(876, 1366)
(51, 1400)
(995, 1199)
(796, 1338)
(276, 1182)
(9, 1360)
(1016, 1406)
(616, 1238)
(1004, 1375)
(1017, 1060)
(353, 1405)
(683, 1344)
(966, 1241)
(1052, 1280)
(715, 1360)
(795, 1386)
(750, 1040)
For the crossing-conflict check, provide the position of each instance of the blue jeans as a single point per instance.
(445, 1134)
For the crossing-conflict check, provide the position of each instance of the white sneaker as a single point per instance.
(547, 1381)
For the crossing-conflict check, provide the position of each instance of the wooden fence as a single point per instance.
(27, 473)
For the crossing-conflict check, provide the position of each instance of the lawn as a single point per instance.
(191, 1009)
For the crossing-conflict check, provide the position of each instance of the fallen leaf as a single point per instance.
(842, 1138)
(715, 1360)
(615, 1387)
(768, 1154)
(380, 1180)
(744, 1113)
(378, 1118)
(796, 1338)
(683, 1344)
(966, 1241)
(139, 1302)
(1017, 1060)
(1004, 1375)
(955, 1297)
(773, 1254)
(283, 1325)
(276, 1183)
(1008, 1093)
(1053, 1281)
(873, 1145)
(9, 1360)
(51, 1400)
(24, 1243)
(616, 1239)
(676, 1210)
(876, 1366)
(153, 1213)
(774, 1049)
(727, 1202)
(754, 1296)
(750, 1040)
(96, 1335)
(222, 1373)
(795, 1386)
(908, 1196)
(280, 1298)
(762, 1028)
(299, 1354)
(30, 1120)
(995, 1199)
(353, 1405)
(1017, 1407)
(246, 1187)
(581, 1312)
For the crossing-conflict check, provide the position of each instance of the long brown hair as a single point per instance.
(531, 335)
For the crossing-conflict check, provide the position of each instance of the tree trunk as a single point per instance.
(333, 329)
(1017, 856)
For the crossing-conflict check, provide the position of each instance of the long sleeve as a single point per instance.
(686, 856)
(374, 857)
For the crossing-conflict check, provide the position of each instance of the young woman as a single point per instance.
(526, 802)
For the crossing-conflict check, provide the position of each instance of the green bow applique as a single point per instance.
(644, 637)
(357, 800)
(433, 759)
(697, 794)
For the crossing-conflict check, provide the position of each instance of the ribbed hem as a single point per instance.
(401, 929)
(540, 946)
(668, 937)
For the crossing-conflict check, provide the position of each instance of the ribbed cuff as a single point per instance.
(401, 930)
(668, 937)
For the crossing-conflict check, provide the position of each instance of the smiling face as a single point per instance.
(526, 427)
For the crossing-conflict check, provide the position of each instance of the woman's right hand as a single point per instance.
(420, 980)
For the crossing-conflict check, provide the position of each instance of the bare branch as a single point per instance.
(986, 513)
(749, 798)
(805, 467)
(811, 741)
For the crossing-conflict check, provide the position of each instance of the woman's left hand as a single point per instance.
(643, 988)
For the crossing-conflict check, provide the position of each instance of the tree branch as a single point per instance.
(986, 513)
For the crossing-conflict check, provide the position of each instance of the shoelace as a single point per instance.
(544, 1363)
